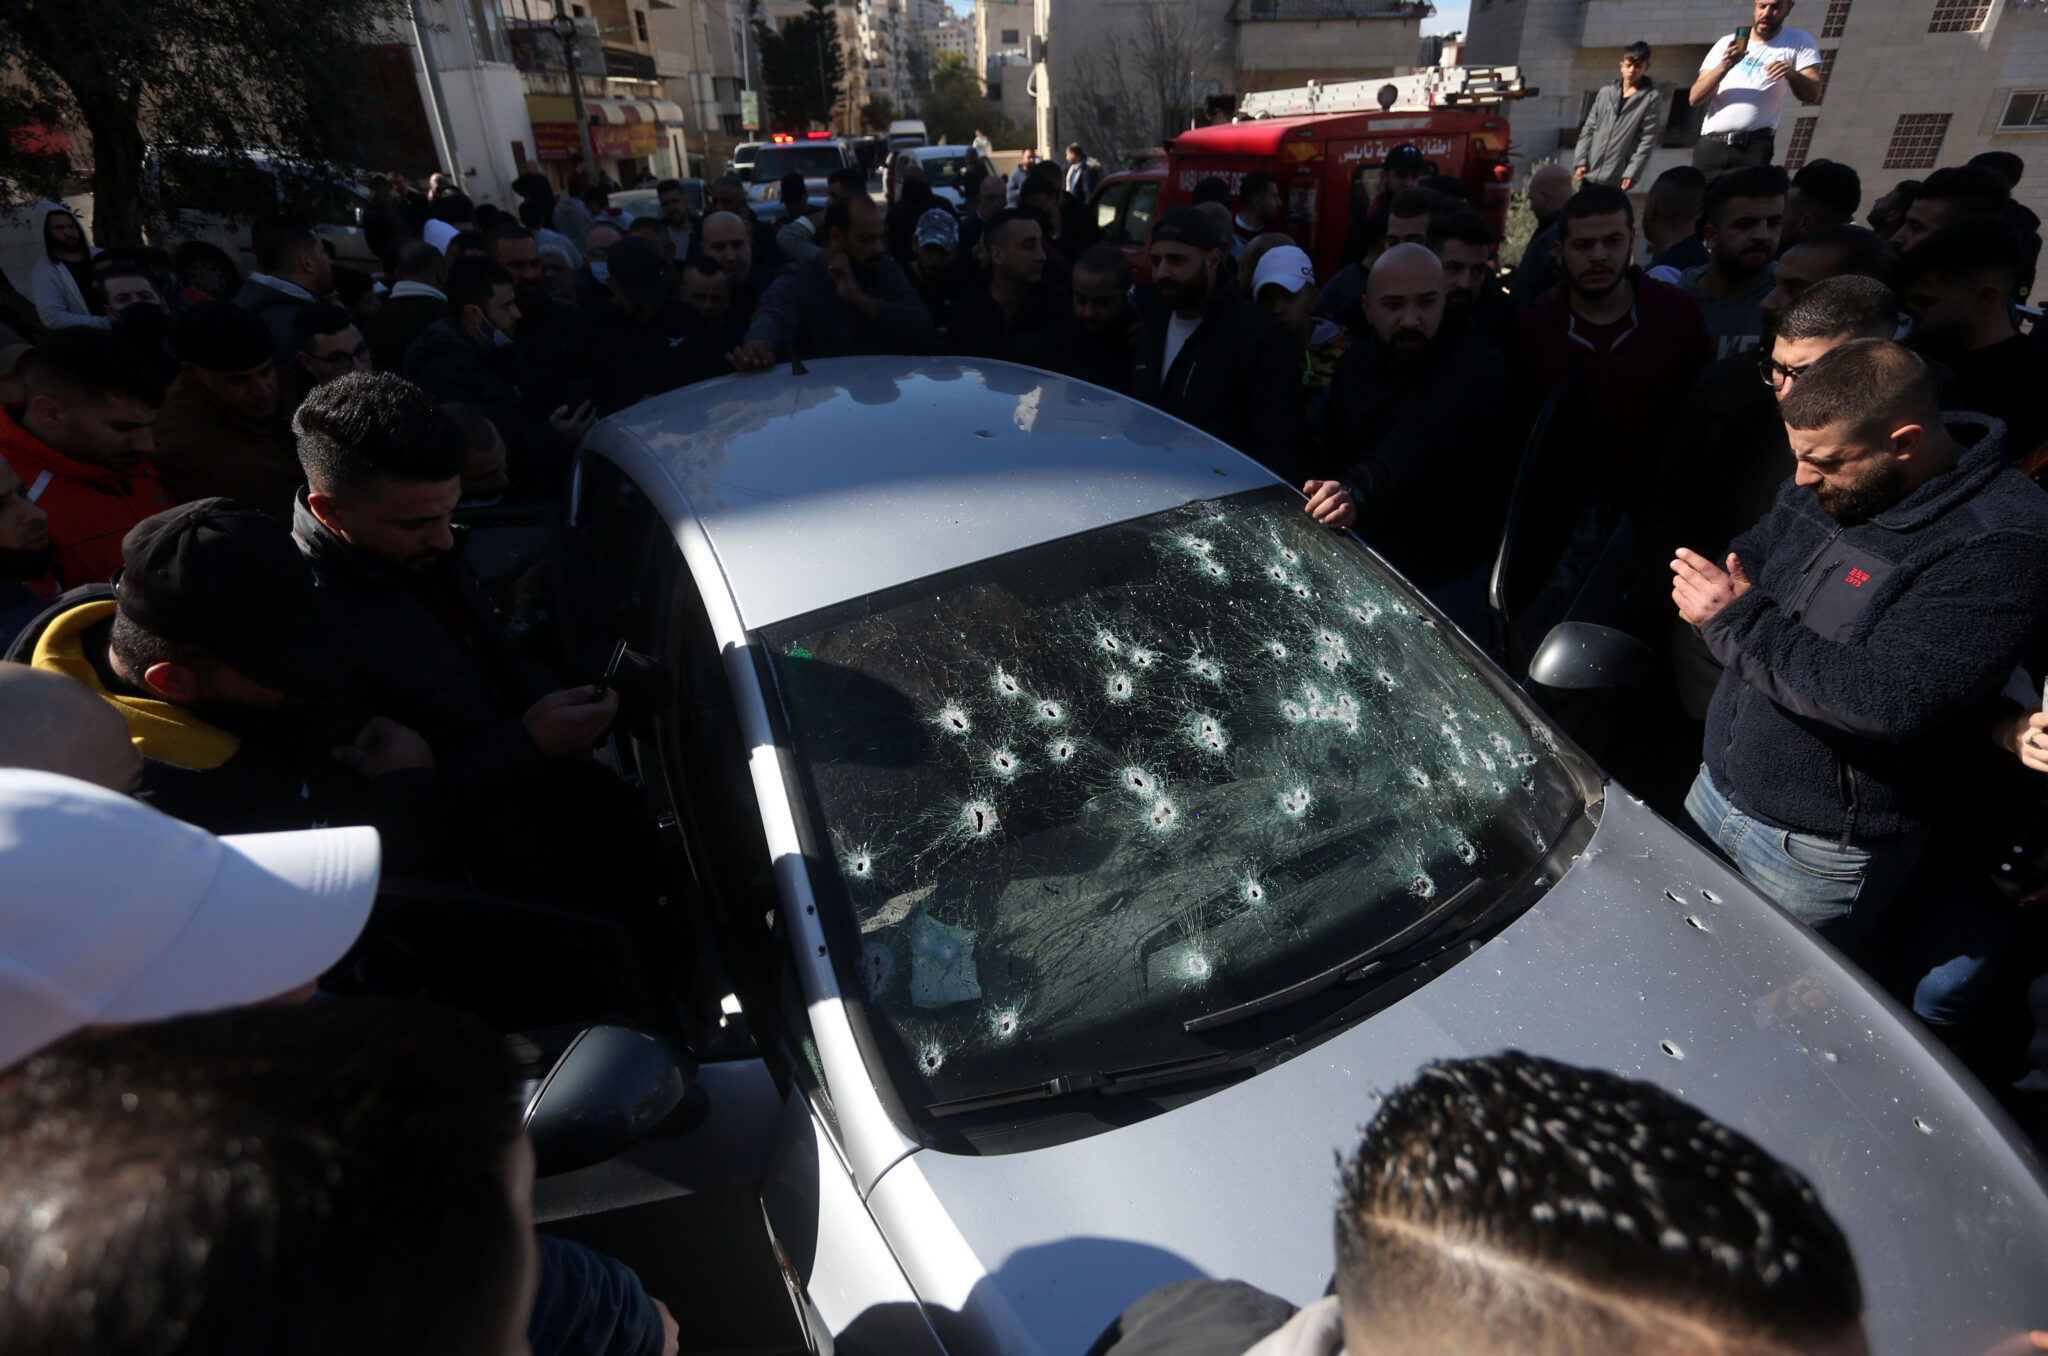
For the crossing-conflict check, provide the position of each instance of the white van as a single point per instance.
(905, 133)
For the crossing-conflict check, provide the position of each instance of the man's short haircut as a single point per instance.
(331, 1177)
(79, 365)
(1638, 52)
(136, 649)
(1831, 185)
(792, 191)
(471, 280)
(1074, 149)
(1855, 305)
(1862, 251)
(453, 208)
(839, 214)
(1968, 190)
(1594, 200)
(368, 424)
(1751, 181)
(1868, 385)
(1105, 260)
(1677, 193)
(1258, 181)
(1045, 181)
(1462, 224)
(2004, 164)
(1215, 188)
(276, 239)
(1447, 186)
(596, 198)
(533, 213)
(1977, 249)
(504, 228)
(1515, 1203)
(849, 177)
(1414, 202)
(998, 229)
(473, 422)
(417, 257)
(668, 185)
(322, 317)
(703, 268)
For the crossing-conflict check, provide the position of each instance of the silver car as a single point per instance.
(1090, 841)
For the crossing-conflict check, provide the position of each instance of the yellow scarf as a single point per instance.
(166, 733)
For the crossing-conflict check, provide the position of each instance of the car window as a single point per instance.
(813, 162)
(1137, 226)
(946, 171)
(196, 185)
(1082, 794)
(1108, 203)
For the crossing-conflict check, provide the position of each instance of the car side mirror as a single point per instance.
(609, 1089)
(1580, 656)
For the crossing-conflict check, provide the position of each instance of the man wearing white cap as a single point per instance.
(1284, 285)
(117, 914)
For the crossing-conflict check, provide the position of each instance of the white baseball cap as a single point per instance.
(1287, 265)
(113, 912)
(439, 234)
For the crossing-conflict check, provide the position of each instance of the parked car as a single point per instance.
(907, 132)
(199, 195)
(743, 157)
(945, 169)
(645, 202)
(1072, 841)
(815, 159)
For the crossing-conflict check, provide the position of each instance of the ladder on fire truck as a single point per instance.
(1436, 87)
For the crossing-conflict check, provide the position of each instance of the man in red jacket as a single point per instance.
(81, 446)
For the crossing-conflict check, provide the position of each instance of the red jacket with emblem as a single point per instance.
(91, 507)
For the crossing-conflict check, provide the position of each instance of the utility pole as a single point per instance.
(565, 28)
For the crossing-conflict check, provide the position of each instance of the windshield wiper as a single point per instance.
(1109, 1083)
(1350, 971)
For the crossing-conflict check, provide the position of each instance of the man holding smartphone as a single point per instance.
(1743, 83)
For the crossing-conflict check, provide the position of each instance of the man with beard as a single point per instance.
(646, 340)
(728, 194)
(1957, 284)
(852, 298)
(1822, 253)
(1207, 355)
(220, 433)
(1824, 193)
(1639, 342)
(26, 584)
(1014, 313)
(292, 270)
(1743, 81)
(61, 280)
(1863, 625)
(1742, 220)
(1463, 243)
(208, 647)
(676, 216)
(137, 311)
(727, 244)
(1095, 342)
(1413, 410)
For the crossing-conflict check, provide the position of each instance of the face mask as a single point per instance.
(145, 321)
(18, 566)
(500, 338)
(600, 271)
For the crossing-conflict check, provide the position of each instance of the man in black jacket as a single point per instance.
(1207, 355)
(646, 340)
(1094, 342)
(1412, 409)
(209, 646)
(1863, 625)
(1958, 286)
(1014, 313)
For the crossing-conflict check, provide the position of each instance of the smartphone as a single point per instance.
(611, 672)
(1741, 37)
(576, 394)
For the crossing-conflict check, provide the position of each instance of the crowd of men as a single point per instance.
(238, 613)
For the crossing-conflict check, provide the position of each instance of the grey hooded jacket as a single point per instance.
(1619, 134)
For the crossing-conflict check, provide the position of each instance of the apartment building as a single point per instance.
(1909, 84)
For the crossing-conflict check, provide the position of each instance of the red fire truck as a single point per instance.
(1326, 145)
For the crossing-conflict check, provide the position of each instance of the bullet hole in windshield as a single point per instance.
(1005, 764)
(1006, 685)
(979, 817)
(1163, 815)
(1051, 712)
(1061, 750)
(1138, 780)
(953, 720)
(1121, 688)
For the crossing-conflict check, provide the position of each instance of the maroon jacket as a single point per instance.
(1637, 385)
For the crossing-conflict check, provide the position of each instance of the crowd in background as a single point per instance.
(233, 591)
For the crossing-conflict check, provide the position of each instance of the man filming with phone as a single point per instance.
(1743, 83)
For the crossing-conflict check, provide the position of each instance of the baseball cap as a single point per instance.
(1407, 155)
(119, 913)
(1287, 265)
(1186, 226)
(636, 269)
(938, 226)
(439, 234)
(217, 573)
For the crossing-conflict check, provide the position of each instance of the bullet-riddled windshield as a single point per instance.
(1081, 795)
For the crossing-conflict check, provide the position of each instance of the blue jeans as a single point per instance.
(1839, 892)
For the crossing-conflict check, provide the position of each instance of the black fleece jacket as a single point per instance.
(1867, 659)
(1238, 377)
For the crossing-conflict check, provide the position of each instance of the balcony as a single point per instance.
(623, 63)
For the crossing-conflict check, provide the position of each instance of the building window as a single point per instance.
(640, 24)
(1916, 141)
(1837, 17)
(1959, 16)
(1010, 34)
(1827, 68)
(2026, 111)
(1802, 140)
(576, 12)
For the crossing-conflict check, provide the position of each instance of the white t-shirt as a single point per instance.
(1177, 332)
(1748, 100)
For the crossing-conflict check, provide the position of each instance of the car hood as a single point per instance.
(1649, 958)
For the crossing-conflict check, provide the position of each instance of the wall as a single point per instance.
(1285, 53)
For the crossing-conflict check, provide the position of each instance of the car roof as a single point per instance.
(936, 152)
(864, 473)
